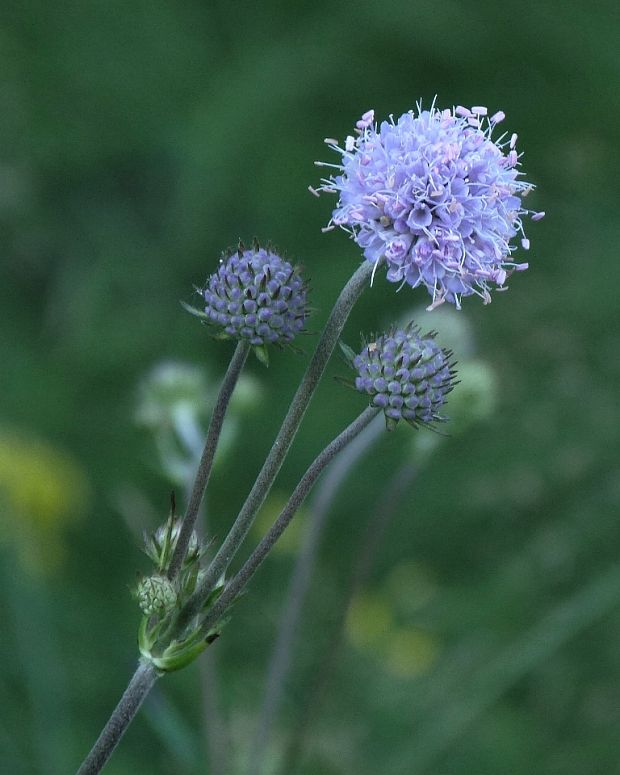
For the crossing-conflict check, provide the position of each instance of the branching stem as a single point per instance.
(331, 333)
(146, 674)
(238, 582)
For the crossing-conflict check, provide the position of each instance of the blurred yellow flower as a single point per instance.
(372, 625)
(410, 652)
(369, 621)
(42, 491)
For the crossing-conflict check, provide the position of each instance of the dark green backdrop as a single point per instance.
(138, 139)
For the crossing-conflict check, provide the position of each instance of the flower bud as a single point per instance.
(156, 595)
(476, 398)
(168, 386)
(257, 296)
(160, 545)
(406, 375)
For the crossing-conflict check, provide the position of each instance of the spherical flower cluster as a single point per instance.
(407, 375)
(257, 296)
(435, 197)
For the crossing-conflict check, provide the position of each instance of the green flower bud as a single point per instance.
(474, 401)
(171, 386)
(476, 398)
(161, 544)
(156, 595)
(454, 329)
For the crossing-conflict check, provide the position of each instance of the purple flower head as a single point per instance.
(435, 197)
(407, 375)
(256, 295)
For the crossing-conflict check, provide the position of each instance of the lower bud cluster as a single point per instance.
(161, 597)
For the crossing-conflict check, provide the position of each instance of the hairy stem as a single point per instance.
(239, 581)
(333, 328)
(140, 685)
(146, 675)
(208, 455)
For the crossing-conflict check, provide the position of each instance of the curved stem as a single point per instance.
(333, 328)
(281, 655)
(140, 685)
(206, 461)
(238, 582)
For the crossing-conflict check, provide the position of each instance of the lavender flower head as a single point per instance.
(256, 295)
(407, 375)
(434, 196)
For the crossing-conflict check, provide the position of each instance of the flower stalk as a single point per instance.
(333, 328)
(208, 455)
(140, 685)
(234, 587)
(151, 668)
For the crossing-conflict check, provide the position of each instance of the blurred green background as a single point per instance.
(139, 139)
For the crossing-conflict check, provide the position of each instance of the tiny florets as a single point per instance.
(156, 595)
(435, 197)
(407, 375)
(258, 296)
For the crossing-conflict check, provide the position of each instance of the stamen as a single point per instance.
(437, 302)
(374, 269)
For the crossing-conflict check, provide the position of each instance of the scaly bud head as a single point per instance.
(156, 595)
(257, 296)
(407, 375)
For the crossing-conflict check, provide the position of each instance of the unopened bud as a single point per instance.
(156, 595)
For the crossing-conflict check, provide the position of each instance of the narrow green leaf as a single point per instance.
(262, 354)
(348, 352)
(193, 311)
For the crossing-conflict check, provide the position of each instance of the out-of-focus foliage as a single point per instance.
(43, 491)
(139, 139)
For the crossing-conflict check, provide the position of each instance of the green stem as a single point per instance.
(208, 455)
(140, 685)
(331, 333)
(238, 582)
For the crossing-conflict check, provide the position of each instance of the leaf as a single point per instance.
(348, 352)
(193, 311)
(262, 354)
